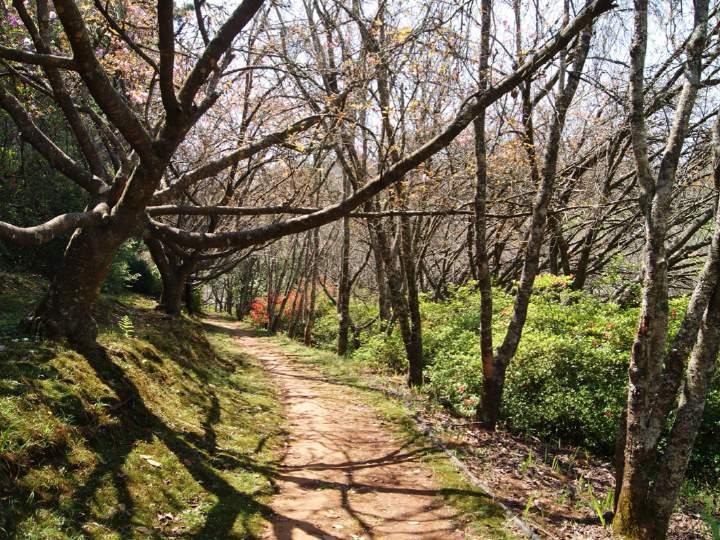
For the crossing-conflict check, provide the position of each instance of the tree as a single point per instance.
(394, 169)
(543, 176)
(125, 156)
(668, 382)
(127, 149)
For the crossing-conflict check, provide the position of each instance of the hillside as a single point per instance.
(166, 431)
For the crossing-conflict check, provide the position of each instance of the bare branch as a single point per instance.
(166, 38)
(214, 167)
(468, 111)
(41, 234)
(98, 82)
(45, 60)
(54, 155)
(215, 49)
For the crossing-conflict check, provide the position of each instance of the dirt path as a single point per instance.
(345, 475)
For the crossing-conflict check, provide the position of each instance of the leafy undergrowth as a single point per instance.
(159, 433)
(561, 492)
(485, 517)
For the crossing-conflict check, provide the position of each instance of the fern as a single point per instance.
(126, 326)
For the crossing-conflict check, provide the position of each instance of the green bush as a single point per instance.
(568, 380)
(196, 300)
(120, 278)
(147, 281)
(568, 387)
(383, 352)
(705, 459)
(325, 329)
(454, 378)
(32, 192)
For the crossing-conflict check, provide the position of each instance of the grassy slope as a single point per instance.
(161, 434)
(486, 518)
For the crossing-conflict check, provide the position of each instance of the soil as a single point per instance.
(346, 473)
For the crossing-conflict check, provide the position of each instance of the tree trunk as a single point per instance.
(173, 289)
(343, 294)
(65, 311)
(651, 477)
(314, 274)
(494, 374)
(492, 390)
(174, 274)
(414, 338)
(384, 301)
(188, 296)
(401, 311)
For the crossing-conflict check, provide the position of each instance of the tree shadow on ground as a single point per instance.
(231, 502)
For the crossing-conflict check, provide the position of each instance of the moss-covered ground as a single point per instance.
(166, 430)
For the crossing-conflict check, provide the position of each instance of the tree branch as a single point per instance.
(54, 155)
(214, 167)
(40, 234)
(166, 39)
(215, 49)
(98, 83)
(468, 111)
(45, 60)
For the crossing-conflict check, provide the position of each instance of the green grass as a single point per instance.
(170, 433)
(18, 293)
(484, 517)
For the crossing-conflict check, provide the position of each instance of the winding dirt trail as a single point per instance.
(345, 475)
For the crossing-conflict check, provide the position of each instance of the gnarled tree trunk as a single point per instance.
(66, 309)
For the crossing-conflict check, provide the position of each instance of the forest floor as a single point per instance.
(167, 430)
(356, 467)
(172, 429)
(351, 472)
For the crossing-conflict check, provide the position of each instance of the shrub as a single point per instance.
(120, 278)
(383, 352)
(568, 379)
(454, 379)
(566, 386)
(325, 330)
(147, 281)
(259, 313)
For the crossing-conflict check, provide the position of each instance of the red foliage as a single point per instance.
(258, 312)
(259, 308)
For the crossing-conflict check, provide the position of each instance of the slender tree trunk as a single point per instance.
(401, 311)
(651, 479)
(271, 295)
(381, 279)
(494, 375)
(414, 338)
(491, 391)
(314, 275)
(343, 295)
(229, 299)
